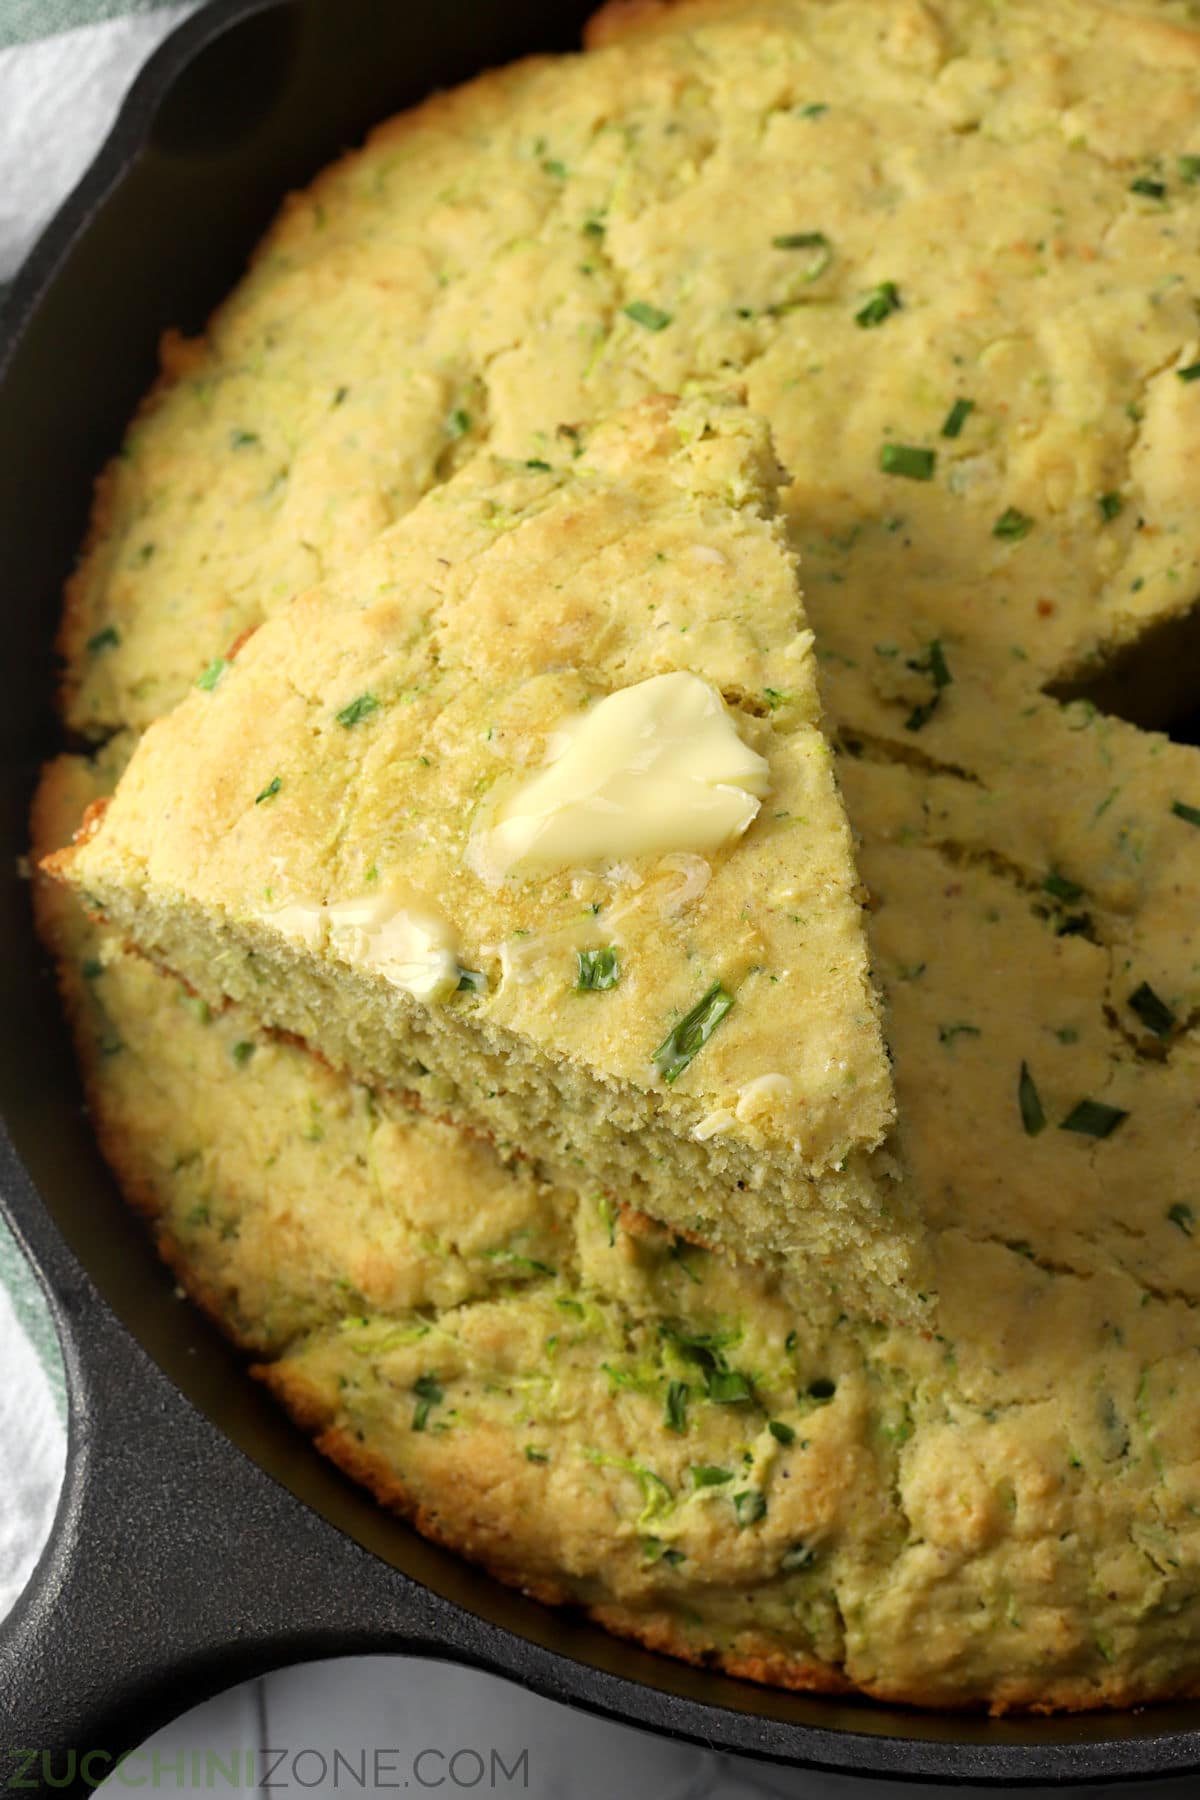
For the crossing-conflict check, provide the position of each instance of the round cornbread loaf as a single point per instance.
(950, 251)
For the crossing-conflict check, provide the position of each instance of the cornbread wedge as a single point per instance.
(531, 814)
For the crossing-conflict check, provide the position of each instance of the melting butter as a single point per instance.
(395, 930)
(655, 767)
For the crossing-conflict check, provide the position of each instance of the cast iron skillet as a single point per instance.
(200, 1540)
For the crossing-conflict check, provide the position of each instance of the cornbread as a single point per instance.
(949, 250)
(530, 813)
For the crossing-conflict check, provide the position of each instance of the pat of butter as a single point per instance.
(655, 767)
(395, 930)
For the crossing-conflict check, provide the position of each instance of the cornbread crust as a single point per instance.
(509, 602)
(1035, 1472)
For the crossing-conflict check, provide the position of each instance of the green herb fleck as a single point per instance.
(1183, 811)
(1093, 1118)
(651, 317)
(727, 1387)
(553, 167)
(269, 792)
(535, 1456)
(358, 710)
(705, 1475)
(598, 970)
(813, 109)
(1189, 170)
(593, 228)
(91, 968)
(957, 417)
(1154, 1013)
(808, 240)
(909, 460)
(948, 1033)
(1147, 186)
(880, 304)
(240, 440)
(691, 1034)
(1110, 506)
(1062, 887)
(1013, 525)
(1182, 1215)
(212, 674)
(458, 423)
(106, 639)
(750, 1506)
(1033, 1115)
(428, 1390)
(242, 1052)
(783, 1434)
(1191, 373)
(676, 1405)
(471, 981)
(799, 1556)
(538, 465)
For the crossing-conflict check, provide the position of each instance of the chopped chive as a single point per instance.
(908, 460)
(750, 1506)
(808, 240)
(1013, 525)
(690, 1035)
(1149, 187)
(593, 228)
(1191, 373)
(948, 1033)
(471, 981)
(358, 710)
(957, 417)
(1033, 1116)
(879, 305)
(708, 1475)
(242, 1052)
(553, 167)
(727, 1387)
(106, 639)
(676, 1405)
(458, 423)
(653, 318)
(269, 792)
(340, 396)
(1183, 811)
(1093, 1118)
(536, 463)
(1154, 1013)
(1189, 170)
(673, 1558)
(933, 664)
(1182, 1215)
(1062, 887)
(91, 968)
(799, 1556)
(212, 674)
(783, 1434)
(241, 440)
(813, 109)
(428, 1390)
(535, 1456)
(598, 970)
(1110, 506)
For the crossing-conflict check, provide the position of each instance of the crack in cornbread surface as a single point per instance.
(352, 750)
(1035, 1472)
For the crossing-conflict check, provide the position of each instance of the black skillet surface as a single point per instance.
(200, 1540)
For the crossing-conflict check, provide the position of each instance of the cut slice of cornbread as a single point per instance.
(532, 814)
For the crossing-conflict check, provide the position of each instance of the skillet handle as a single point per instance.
(176, 1567)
